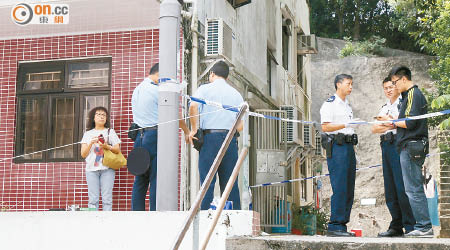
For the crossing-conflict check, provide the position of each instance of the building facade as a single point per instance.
(52, 75)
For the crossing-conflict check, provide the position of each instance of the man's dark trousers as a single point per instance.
(208, 152)
(140, 186)
(342, 168)
(396, 199)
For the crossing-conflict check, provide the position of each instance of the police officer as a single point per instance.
(394, 190)
(215, 125)
(144, 104)
(337, 122)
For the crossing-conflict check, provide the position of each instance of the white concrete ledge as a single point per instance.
(335, 243)
(115, 230)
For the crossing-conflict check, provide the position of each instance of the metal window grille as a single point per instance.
(271, 203)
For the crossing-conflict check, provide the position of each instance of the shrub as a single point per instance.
(372, 46)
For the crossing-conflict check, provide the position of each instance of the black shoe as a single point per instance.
(391, 233)
(339, 233)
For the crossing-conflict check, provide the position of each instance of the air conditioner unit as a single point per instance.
(292, 130)
(306, 44)
(309, 135)
(320, 152)
(219, 37)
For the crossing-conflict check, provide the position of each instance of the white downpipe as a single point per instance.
(194, 175)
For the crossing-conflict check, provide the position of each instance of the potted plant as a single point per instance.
(322, 219)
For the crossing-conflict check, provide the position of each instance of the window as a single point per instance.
(304, 186)
(271, 72)
(53, 100)
(239, 3)
(300, 75)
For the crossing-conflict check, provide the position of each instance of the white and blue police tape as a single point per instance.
(234, 109)
(227, 107)
(324, 175)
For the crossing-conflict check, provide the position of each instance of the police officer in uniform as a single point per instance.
(144, 105)
(339, 139)
(394, 190)
(215, 125)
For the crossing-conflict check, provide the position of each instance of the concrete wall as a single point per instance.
(256, 27)
(85, 17)
(117, 230)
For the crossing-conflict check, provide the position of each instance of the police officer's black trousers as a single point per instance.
(396, 199)
(342, 168)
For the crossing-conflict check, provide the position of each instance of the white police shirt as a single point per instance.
(144, 104)
(392, 110)
(335, 110)
(218, 91)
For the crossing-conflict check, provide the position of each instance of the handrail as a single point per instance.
(224, 197)
(212, 172)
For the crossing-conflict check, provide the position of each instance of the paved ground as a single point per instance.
(322, 242)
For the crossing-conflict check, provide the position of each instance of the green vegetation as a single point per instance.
(360, 20)
(428, 22)
(369, 47)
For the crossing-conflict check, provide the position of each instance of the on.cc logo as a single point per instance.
(22, 13)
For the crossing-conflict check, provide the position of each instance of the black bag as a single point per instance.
(418, 150)
(133, 131)
(198, 143)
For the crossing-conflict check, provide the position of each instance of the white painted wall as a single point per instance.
(115, 230)
(85, 17)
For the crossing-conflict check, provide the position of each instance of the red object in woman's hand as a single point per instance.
(101, 139)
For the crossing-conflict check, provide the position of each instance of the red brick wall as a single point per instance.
(40, 186)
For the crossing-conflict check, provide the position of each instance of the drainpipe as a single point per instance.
(194, 175)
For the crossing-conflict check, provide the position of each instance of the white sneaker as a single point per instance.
(420, 234)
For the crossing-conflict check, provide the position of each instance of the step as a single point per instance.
(321, 242)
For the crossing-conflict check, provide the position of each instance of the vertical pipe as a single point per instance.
(168, 107)
(195, 179)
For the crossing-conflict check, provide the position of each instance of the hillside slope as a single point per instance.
(366, 100)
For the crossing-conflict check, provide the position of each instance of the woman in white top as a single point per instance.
(97, 138)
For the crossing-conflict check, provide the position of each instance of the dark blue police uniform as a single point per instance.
(342, 163)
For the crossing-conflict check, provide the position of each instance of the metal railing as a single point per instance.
(212, 172)
(271, 204)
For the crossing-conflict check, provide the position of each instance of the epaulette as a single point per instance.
(331, 98)
(384, 105)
